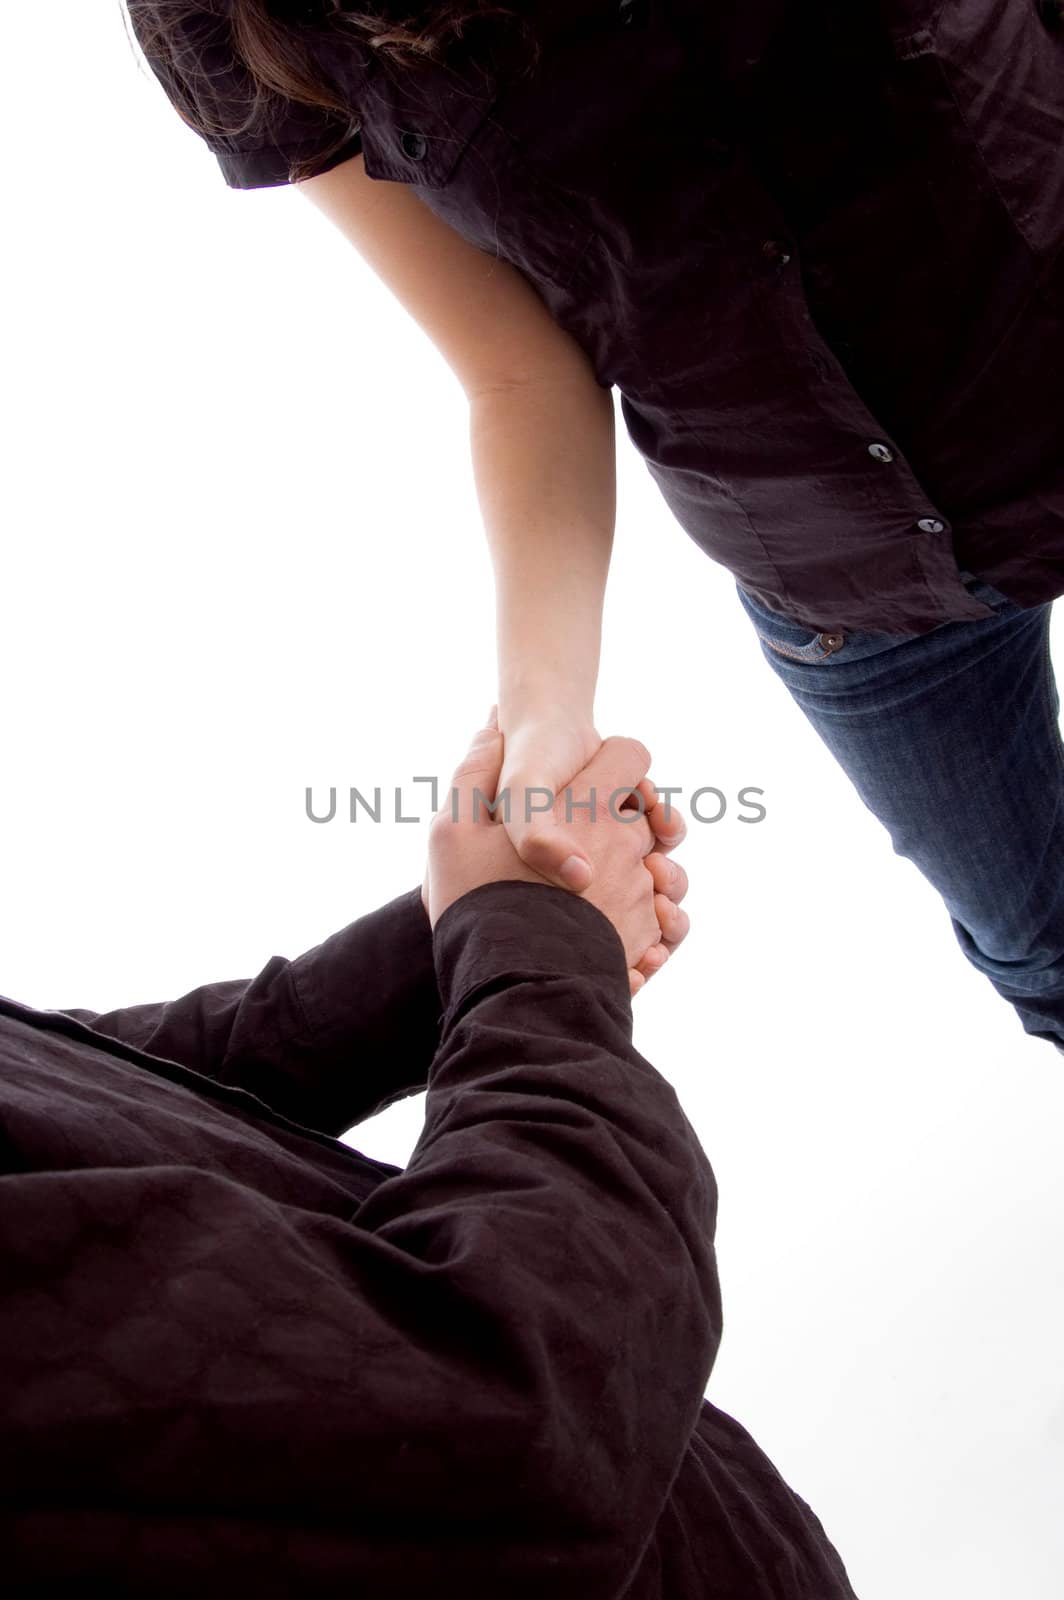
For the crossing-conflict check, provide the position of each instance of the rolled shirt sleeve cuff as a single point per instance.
(269, 168)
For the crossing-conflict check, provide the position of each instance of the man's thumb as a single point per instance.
(476, 778)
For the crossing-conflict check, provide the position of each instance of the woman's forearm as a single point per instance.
(544, 460)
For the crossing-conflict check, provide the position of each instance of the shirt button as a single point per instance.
(718, 151)
(931, 525)
(414, 145)
(773, 250)
(881, 452)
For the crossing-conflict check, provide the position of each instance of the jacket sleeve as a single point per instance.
(326, 1039)
(559, 1213)
(484, 1371)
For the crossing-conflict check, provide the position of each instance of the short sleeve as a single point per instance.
(259, 141)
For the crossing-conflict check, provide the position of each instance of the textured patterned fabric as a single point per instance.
(234, 1351)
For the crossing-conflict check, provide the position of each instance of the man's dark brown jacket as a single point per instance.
(237, 1356)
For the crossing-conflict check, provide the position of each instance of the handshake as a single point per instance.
(620, 849)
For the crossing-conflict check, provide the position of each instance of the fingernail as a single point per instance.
(575, 873)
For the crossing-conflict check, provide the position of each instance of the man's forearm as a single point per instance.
(326, 1039)
(544, 458)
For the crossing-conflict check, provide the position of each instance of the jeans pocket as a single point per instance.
(784, 639)
(791, 640)
(818, 648)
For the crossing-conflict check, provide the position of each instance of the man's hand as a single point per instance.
(477, 849)
(670, 881)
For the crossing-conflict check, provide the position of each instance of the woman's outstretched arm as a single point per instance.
(544, 463)
(543, 447)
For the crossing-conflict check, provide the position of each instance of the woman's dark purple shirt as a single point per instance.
(818, 247)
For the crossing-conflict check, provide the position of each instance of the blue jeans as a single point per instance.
(951, 738)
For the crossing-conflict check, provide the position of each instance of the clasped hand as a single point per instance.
(623, 842)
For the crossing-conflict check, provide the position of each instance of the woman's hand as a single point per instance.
(544, 753)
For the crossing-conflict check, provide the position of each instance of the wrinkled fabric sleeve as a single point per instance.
(257, 145)
(560, 1186)
(489, 1370)
(326, 1039)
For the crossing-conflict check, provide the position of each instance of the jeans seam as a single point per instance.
(1048, 677)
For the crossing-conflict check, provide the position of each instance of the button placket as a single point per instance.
(763, 233)
(882, 452)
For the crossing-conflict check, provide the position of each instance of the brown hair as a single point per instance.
(271, 46)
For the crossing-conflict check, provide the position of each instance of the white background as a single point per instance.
(242, 554)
